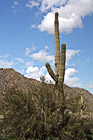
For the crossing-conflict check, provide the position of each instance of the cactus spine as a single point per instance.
(57, 45)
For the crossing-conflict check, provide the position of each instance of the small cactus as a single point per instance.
(82, 104)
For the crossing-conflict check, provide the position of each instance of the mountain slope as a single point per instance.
(9, 78)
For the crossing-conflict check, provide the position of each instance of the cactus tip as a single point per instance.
(56, 14)
(63, 45)
(47, 64)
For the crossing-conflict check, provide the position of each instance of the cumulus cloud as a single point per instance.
(6, 64)
(47, 23)
(70, 12)
(43, 56)
(70, 79)
(35, 72)
(32, 4)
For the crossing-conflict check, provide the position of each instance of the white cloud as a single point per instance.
(19, 60)
(15, 4)
(35, 72)
(70, 53)
(43, 56)
(70, 15)
(70, 72)
(33, 26)
(6, 64)
(88, 60)
(4, 56)
(28, 64)
(70, 79)
(46, 47)
(32, 4)
(27, 52)
(47, 23)
(47, 4)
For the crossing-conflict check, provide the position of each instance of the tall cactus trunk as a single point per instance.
(61, 78)
(57, 45)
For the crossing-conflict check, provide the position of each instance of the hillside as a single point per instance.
(9, 78)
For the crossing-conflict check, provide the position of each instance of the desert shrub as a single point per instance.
(36, 114)
(78, 128)
(30, 114)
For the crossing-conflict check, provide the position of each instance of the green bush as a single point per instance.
(38, 114)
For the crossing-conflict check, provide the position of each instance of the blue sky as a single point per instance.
(27, 38)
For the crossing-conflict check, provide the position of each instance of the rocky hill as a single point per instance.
(9, 78)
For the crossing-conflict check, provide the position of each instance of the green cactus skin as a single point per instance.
(51, 73)
(82, 104)
(62, 64)
(57, 45)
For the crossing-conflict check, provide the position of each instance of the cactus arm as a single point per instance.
(62, 64)
(51, 73)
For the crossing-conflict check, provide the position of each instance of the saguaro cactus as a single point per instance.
(82, 104)
(60, 58)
